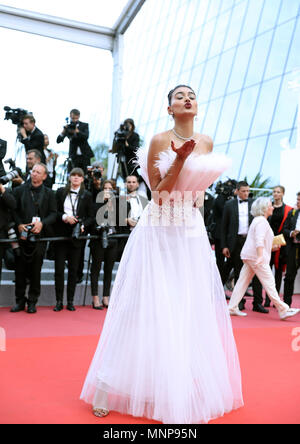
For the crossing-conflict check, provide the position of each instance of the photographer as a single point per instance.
(51, 160)
(31, 136)
(74, 216)
(33, 157)
(7, 203)
(77, 132)
(34, 214)
(104, 249)
(3, 148)
(126, 142)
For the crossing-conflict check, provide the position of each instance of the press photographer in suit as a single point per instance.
(77, 132)
(74, 216)
(291, 230)
(7, 204)
(31, 136)
(34, 214)
(235, 226)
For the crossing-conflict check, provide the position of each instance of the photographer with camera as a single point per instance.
(51, 160)
(125, 145)
(104, 249)
(74, 217)
(77, 132)
(7, 204)
(31, 137)
(33, 157)
(34, 214)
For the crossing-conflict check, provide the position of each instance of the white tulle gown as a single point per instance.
(167, 350)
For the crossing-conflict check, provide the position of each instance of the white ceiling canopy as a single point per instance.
(89, 22)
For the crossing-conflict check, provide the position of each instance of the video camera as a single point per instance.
(15, 115)
(70, 127)
(226, 188)
(122, 133)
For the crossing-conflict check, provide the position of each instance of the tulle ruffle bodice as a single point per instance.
(198, 173)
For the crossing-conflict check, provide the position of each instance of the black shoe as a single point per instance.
(31, 308)
(260, 309)
(267, 304)
(97, 307)
(59, 306)
(242, 305)
(17, 308)
(70, 306)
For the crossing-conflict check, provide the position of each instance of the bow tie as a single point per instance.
(74, 192)
(242, 201)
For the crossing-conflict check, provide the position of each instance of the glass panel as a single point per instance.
(195, 80)
(286, 108)
(211, 117)
(245, 113)
(271, 164)
(235, 25)
(265, 107)
(207, 79)
(219, 34)
(280, 46)
(226, 120)
(253, 157)
(289, 9)
(205, 42)
(239, 70)
(223, 73)
(87, 11)
(214, 8)
(294, 57)
(269, 15)
(259, 58)
(226, 4)
(253, 15)
(235, 152)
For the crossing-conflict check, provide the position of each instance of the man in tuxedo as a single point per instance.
(31, 136)
(131, 207)
(35, 213)
(291, 230)
(33, 157)
(7, 204)
(77, 132)
(235, 225)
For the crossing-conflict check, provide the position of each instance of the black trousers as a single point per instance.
(28, 267)
(70, 252)
(80, 162)
(293, 263)
(224, 266)
(106, 255)
(237, 266)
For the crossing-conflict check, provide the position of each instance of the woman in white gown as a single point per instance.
(167, 350)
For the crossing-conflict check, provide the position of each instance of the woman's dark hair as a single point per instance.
(174, 89)
(112, 182)
(131, 122)
(75, 172)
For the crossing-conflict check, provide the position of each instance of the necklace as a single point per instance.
(180, 137)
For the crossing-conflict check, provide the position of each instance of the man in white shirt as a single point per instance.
(235, 226)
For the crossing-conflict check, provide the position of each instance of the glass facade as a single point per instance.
(238, 55)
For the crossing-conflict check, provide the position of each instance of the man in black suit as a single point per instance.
(35, 207)
(7, 204)
(235, 225)
(291, 230)
(77, 132)
(31, 136)
(74, 210)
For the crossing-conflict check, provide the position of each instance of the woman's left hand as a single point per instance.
(259, 261)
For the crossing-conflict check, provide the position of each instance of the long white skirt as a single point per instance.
(167, 350)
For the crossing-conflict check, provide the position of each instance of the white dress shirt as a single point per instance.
(136, 207)
(71, 202)
(243, 217)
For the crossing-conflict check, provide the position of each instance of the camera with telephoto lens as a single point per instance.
(122, 133)
(15, 115)
(105, 230)
(8, 177)
(70, 127)
(12, 236)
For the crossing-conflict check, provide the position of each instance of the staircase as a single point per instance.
(47, 297)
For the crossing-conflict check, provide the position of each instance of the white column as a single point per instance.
(116, 95)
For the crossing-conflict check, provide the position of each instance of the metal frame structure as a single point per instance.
(110, 39)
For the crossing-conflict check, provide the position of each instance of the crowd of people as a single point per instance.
(38, 212)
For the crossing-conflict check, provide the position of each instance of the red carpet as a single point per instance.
(47, 357)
